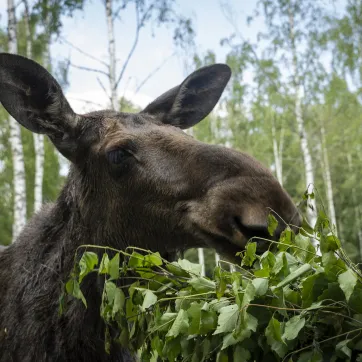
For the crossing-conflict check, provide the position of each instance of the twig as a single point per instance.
(89, 69)
(116, 13)
(135, 42)
(153, 72)
(86, 101)
(320, 342)
(62, 39)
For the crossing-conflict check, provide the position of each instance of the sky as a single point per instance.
(87, 30)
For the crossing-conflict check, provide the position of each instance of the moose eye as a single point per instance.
(117, 156)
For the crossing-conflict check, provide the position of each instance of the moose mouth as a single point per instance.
(229, 246)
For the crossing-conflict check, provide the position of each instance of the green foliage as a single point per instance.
(288, 304)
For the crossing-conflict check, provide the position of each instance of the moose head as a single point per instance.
(135, 179)
(138, 178)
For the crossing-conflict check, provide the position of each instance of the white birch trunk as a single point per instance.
(357, 210)
(278, 152)
(217, 259)
(307, 157)
(27, 29)
(111, 53)
(39, 147)
(39, 170)
(201, 256)
(37, 138)
(328, 180)
(16, 143)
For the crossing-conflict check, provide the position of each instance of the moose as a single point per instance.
(135, 179)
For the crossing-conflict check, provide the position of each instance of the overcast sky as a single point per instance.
(87, 30)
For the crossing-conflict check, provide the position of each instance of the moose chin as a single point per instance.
(135, 179)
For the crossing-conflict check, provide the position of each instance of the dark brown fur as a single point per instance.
(168, 193)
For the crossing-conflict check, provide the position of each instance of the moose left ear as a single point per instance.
(190, 102)
(35, 99)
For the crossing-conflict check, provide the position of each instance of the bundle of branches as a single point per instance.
(292, 304)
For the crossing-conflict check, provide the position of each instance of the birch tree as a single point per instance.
(147, 12)
(19, 219)
(327, 177)
(38, 139)
(298, 94)
(50, 13)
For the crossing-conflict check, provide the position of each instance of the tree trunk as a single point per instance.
(328, 179)
(308, 164)
(278, 152)
(357, 210)
(27, 29)
(15, 142)
(111, 53)
(217, 259)
(38, 139)
(201, 256)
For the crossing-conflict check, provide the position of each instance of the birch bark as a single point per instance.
(308, 164)
(328, 179)
(111, 53)
(15, 142)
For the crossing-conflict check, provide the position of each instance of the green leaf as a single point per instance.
(202, 285)
(153, 259)
(222, 356)
(281, 265)
(180, 325)
(272, 224)
(312, 287)
(273, 335)
(261, 286)
(220, 282)
(229, 339)
(246, 324)
(114, 267)
(87, 263)
(293, 276)
(227, 319)
(249, 294)
(104, 265)
(307, 227)
(313, 356)
(136, 260)
(286, 239)
(250, 254)
(308, 251)
(190, 267)
(72, 287)
(208, 320)
(343, 350)
(355, 300)
(293, 327)
(268, 260)
(329, 243)
(184, 268)
(149, 299)
(241, 354)
(203, 320)
(347, 282)
(110, 290)
(118, 301)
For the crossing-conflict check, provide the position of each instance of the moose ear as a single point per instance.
(190, 102)
(35, 99)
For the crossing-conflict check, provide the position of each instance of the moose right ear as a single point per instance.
(35, 99)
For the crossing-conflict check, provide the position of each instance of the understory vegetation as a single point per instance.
(295, 302)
